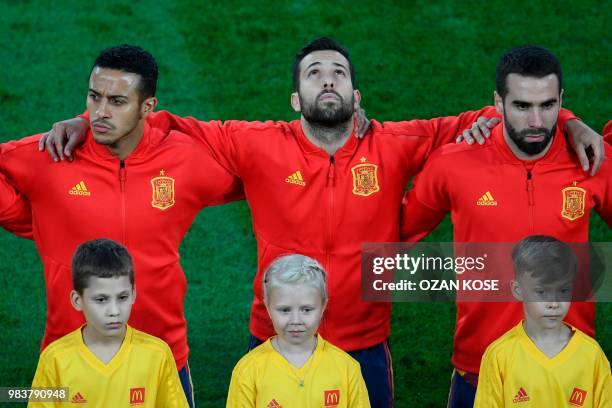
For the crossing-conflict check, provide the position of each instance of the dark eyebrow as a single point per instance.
(319, 63)
(110, 96)
(314, 63)
(551, 100)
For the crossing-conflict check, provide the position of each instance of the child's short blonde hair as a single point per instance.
(295, 269)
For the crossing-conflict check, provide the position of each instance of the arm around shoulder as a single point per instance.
(426, 203)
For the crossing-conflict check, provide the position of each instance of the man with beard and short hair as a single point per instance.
(527, 175)
(315, 189)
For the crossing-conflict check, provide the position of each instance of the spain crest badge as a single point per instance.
(365, 178)
(573, 202)
(163, 191)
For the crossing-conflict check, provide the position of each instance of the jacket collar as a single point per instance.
(104, 153)
(309, 147)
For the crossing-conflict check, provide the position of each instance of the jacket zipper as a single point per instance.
(331, 181)
(122, 178)
(530, 199)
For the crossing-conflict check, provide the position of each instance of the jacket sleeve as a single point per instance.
(426, 203)
(170, 392)
(607, 132)
(214, 135)
(15, 211)
(603, 201)
(490, 390)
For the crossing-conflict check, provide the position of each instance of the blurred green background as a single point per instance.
(232, 60)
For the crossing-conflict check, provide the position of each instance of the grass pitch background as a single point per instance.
(232, 60)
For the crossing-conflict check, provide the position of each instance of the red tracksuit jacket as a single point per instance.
(304, 201)
(528, 200)
(148, 204)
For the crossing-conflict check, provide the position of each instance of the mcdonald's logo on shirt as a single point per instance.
(578, 397)
(137, 396)
(331, 398)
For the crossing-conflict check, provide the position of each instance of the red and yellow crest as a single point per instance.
(163, 191)
(365, 178)
(573, 202)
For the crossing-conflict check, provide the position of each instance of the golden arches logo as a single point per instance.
(332, 398)
(137, 395)
(578, 397)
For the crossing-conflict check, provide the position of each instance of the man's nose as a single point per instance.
(328, 82)
(535, 118)
(103, 110)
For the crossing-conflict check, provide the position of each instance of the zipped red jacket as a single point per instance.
(305, 201)
(147, 202)
(495, 197)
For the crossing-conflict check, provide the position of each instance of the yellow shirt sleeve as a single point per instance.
(242, 390)
(44, 377)
(170, 393)
(358, 393)
(490, 391)
(602, 394)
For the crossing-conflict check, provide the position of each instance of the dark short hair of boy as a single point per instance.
(101, 258)
(545, 258)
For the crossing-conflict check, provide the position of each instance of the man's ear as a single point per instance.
(499, 103)
(148, 105)
(76, 300)
(357, 97)
(516, 290)
(295, 102)
(561, 98)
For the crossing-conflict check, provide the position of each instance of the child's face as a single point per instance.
(544, 302)
(106, 304)
(296, 312)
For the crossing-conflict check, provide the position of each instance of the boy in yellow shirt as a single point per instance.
(544, 362)
(297, 367)
(107, 363)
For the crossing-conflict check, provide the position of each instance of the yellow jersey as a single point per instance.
(515, 373)
(142, 374)
(330, 379)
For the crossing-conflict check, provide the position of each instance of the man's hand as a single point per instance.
(63, 137)
(479, 131)
(362, 122)
(585, 141)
